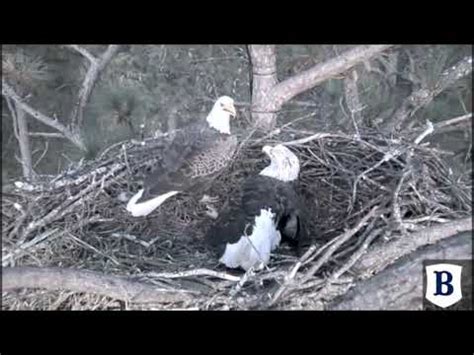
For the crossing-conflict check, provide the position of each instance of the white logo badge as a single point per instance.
(443, 284)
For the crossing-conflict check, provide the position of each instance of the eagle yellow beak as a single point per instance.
(231, 109)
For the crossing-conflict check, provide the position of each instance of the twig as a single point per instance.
(46, 134)
(453, 121)
(355, 256)
(46, 146)
(53, 278)
(245, 277)
(90, 247)
(195, 272)
(339, 241)
(291, 274)
(312, 138)
(132, 238)
(25, 246)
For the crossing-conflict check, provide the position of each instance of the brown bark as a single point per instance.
(95, 68)
(53, 278)
(269, 95)
(264, 79)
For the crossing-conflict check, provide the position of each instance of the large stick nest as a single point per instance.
(77, 220)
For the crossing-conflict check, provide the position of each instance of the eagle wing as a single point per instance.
(260, 192)
(190, 157)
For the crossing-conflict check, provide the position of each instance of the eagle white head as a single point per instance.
(284, 164)
(219, 117)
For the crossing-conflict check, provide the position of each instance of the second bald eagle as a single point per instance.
(268, 210)
(191, 157)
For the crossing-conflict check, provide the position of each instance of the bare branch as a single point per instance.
(422, 97)
(351, 94)
(95, 68)
(286, 90)
(24, 143)
(453, 121)
(53, 278)
(84, 52)
(340, 240)
(8, 91)
(46, 134)
(196, 272)
(20, 129)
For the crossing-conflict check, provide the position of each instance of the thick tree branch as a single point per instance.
(8, 92)
(307, 79)
(422, 97)
(53, 278)
(268, 96)
(400, 286)
(95, 68)
(385, 254)
(84, 52)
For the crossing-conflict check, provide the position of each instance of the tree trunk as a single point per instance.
(24, 142)
(264, 72)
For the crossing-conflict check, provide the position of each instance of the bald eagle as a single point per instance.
(191, 157)
(267, 211)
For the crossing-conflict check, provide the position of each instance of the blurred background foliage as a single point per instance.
(153, 88)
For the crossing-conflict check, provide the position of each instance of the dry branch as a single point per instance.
(422, 97)
(305, 80)
(339, 241)
(197, 272)
(116, 287)
(95, 68)
(84, 52)
(21, 133)
(351, 94)
(74, 137)
(46, 134)
(268, 96)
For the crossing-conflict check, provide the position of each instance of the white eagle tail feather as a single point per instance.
(255, 249)
(145, 208)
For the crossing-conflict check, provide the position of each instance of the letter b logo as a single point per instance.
(443, 284)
